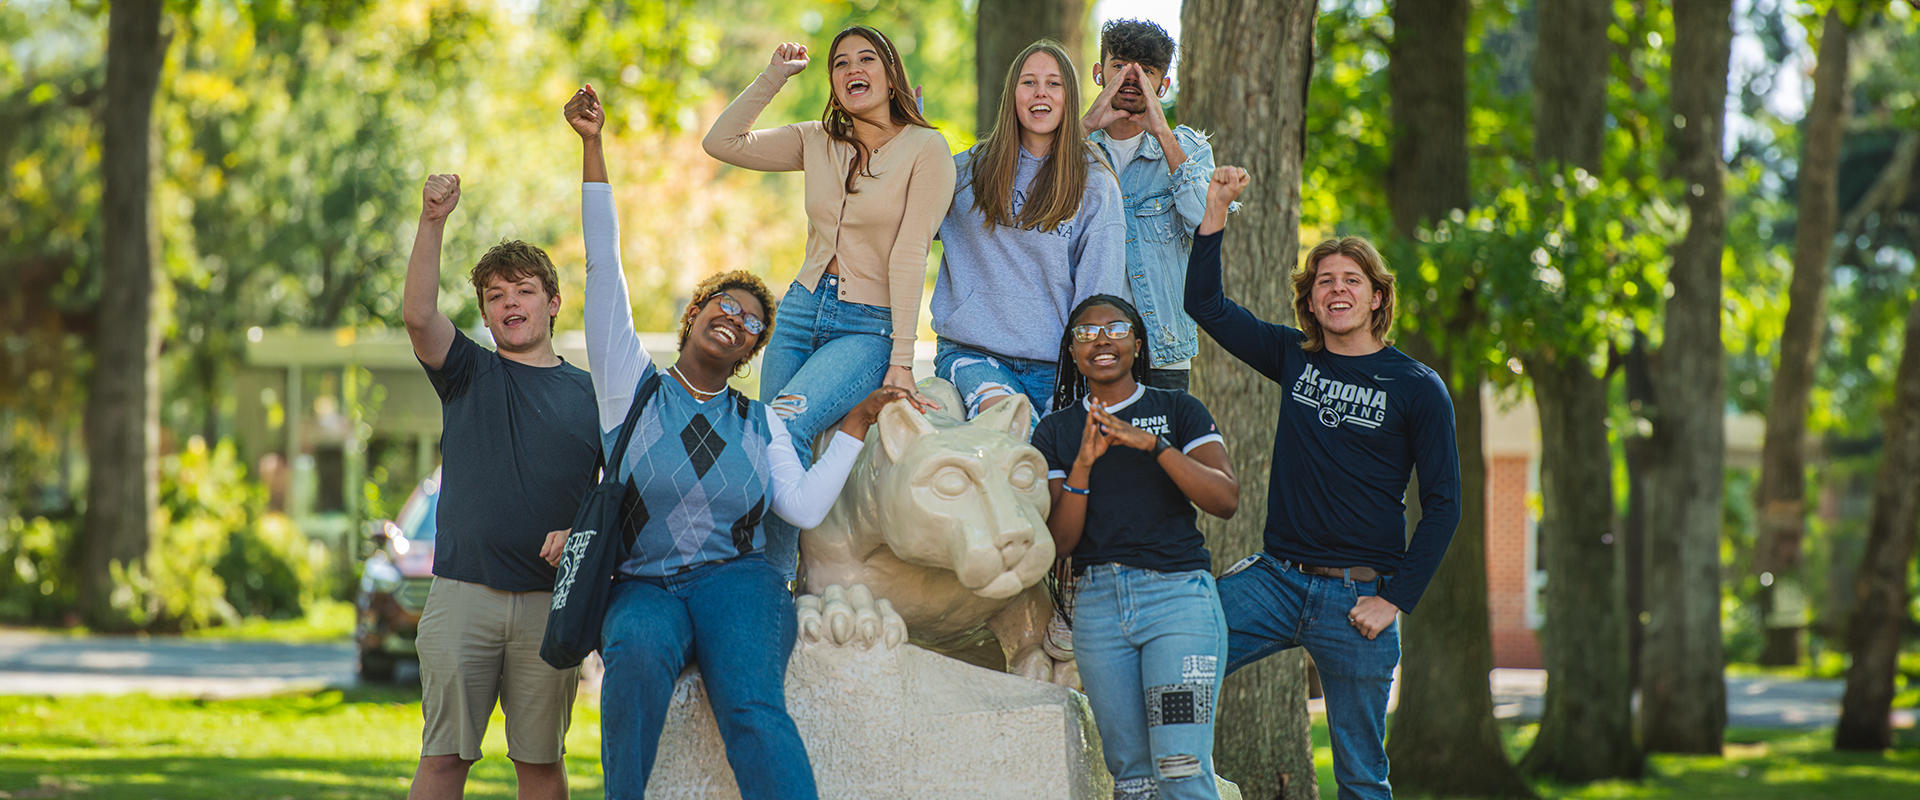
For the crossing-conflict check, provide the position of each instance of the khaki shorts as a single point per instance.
(478, 644)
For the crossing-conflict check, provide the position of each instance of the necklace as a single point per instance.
(697, 392)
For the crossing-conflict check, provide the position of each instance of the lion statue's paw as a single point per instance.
(849, 615)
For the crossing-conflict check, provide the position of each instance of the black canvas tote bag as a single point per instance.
(593, 552)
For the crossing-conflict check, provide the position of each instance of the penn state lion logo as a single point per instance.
(945, 522)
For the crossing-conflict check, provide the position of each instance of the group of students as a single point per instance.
(1081, 257)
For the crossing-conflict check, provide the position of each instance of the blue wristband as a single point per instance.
(1073, 489)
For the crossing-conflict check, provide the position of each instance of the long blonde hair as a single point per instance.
(1055, 195)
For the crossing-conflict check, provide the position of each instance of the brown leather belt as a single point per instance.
(1358, 574)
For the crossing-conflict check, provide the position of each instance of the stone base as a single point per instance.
(903, 723)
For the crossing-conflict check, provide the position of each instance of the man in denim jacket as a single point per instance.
(1163, 180)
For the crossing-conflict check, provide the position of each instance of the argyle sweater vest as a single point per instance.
(698, 478)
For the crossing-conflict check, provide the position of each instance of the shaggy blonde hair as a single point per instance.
(1363, 253)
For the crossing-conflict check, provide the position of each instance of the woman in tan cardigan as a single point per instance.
(879, 179)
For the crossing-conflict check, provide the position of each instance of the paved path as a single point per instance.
(37, 663)
(1751, 702)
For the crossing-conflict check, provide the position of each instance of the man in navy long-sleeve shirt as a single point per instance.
(1359, 418)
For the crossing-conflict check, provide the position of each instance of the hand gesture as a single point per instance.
(441, 194)
(1120, 431)
(1155, 116)
(867, 412)
(788, 59)
(584, 113)
(902, 379)
(1094, 439)
(1102, 113)
(554, 546)
(1226, 186)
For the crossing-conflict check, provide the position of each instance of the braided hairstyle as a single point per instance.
(1070, 386)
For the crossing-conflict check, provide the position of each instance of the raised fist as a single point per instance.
(439, 197)
(584, 113)
(788, 59)
(1226, 186)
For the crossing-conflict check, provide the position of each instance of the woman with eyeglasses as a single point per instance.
(706, 470)
(878, 181)
(1128, 463)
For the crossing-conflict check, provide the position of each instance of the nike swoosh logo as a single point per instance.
(1381, 378)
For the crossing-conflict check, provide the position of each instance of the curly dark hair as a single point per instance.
(1068, 384)
(720, 282)
(1137, 40)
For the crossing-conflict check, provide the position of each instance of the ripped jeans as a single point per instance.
(826, 356)
(980, 376)
(1152, 649)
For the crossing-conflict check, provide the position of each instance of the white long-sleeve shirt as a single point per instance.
(620, 362)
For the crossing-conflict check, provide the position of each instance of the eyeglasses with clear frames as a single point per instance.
(731, 308)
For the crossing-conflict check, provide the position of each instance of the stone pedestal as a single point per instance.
(903, 723)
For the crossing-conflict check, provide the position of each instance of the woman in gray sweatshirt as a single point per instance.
(1028, 237)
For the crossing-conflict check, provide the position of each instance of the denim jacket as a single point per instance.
(1162, 211)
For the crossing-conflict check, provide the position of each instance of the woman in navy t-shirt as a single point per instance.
(1127, 464)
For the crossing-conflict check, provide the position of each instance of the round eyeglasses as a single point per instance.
(731, 308)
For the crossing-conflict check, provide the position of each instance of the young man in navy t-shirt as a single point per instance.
(519, 448)
(1358, 419)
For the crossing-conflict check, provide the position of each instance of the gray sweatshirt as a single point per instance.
(1008, 290)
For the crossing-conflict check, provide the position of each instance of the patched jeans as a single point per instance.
(735, 621)
(980, 376)
(1151, 647)
(1271, 606)
(826, 356)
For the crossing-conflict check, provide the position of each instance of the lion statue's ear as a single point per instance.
(1013, 416)
(900, 426)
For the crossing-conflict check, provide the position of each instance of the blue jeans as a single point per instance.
(1271, 606)
(1149, 646)
(980, 376)
(735, 620)
(826, 356)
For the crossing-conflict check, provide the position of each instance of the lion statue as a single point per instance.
(943, 523)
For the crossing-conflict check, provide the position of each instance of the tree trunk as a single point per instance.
(1003, 28)
(122, 414)
(1261, 735)
(1684, 690)
(1781, 497)
(1880, 593)
(1586, 726)
(1638, 454)
(1444, 738)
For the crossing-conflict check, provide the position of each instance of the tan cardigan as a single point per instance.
(881, 232)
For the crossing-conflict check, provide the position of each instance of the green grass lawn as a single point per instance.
(1759, 764)
(361, 743)
(325, 621)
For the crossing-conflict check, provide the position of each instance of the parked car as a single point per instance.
(394, 582)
